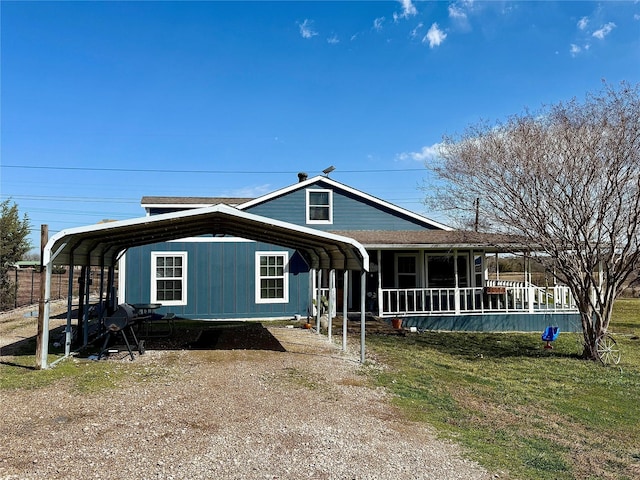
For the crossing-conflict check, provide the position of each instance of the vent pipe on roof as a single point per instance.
(302, 176)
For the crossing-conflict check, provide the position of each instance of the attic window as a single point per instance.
(319, 206)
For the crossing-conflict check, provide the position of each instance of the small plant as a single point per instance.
(324, 305)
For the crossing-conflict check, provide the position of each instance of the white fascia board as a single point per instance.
(443, 246)
(282, 191)
(353, 191)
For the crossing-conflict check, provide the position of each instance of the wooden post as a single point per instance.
(42, 337)
(16, 291)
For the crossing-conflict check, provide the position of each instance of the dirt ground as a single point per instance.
(238, 402)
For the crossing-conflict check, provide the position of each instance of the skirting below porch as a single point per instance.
(511, 322)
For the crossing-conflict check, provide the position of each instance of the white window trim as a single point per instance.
(154, 287)
(285, 286)
(318, 190)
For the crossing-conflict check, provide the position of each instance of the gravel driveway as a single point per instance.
(308, 412)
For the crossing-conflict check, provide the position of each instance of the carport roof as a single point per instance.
(95, 244)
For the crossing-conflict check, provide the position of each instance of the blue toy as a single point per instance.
(549, 335)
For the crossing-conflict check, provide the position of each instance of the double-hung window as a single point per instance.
(319, 206)
(169, 278)
(272, 283)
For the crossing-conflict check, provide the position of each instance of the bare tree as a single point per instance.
(567, 179)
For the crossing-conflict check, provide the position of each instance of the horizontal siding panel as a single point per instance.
(349, 213)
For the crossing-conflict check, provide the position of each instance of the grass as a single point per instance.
(520, 410)
(80, 375)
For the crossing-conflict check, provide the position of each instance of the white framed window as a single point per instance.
(272, 279)
(319, 206)
(169, 278)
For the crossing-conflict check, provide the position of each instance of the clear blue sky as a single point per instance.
(103, 103)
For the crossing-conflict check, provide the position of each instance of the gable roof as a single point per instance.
(99, 243)
(341, 186)
(241, 203)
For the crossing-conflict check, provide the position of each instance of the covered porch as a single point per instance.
(451, 280)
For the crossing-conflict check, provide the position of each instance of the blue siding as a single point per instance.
(350, 212)
(220, 281)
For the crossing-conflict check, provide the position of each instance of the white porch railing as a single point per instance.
(494, 298)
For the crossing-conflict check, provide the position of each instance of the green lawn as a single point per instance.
(522, 411)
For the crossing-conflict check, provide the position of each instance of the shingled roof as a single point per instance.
(200, 201)
(437, 239)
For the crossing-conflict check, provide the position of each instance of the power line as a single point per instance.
(71, 199)
(217, 172)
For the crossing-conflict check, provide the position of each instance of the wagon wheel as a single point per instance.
(608, 350)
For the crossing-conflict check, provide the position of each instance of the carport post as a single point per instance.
(345, 298)
(101, 286)
(318, 299)
(363, 287)
(332, 286)
(85, 312)
(67, 331)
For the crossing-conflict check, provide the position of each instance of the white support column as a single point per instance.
(345, 312)
(332, 287)
(318, 299)
(530, 290)
(456, 289)
(363, 297)
(311, 293)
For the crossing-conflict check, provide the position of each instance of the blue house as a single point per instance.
(421, 271)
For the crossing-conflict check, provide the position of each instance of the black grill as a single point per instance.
(119, 324)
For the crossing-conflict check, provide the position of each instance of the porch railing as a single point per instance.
(494, 298)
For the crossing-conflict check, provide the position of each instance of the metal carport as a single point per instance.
(103, 244)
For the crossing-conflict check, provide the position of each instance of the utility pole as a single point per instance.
(476, 223)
